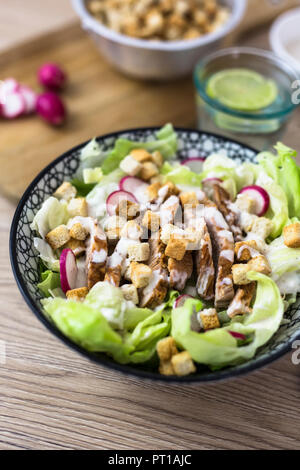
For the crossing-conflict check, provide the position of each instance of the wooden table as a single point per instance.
(52, 398)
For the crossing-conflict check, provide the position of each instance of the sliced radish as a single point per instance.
(13, 106)
(115, 198)
(132, 184)
(260, 196)
(30, 98)
(10, 85)
(68, 270)
(179, 302)
(237, 335)
(195, 164)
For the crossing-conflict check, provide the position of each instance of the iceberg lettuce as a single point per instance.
(50, 280)
(46, 254)
(180, 174)
(51, 214)
(96, 198)
(218, 348)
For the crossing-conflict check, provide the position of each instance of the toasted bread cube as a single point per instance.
(113, 235)
(128, 210)
(130, 293)
(58, 237)
(130, 166)
(262, 227)
(78, 295)
(247, 221)
(77, 246)
(239, 273)
(78, 206)
(66, 191)
(188, 197)
(260, 264)
(139, 252)
(245, 250)
(157, 179)
(193, 237)
(167, 190)
(78, 232)
(151, 221)
(176, 247)
(152, 191)
(157, 158)
(166, 232)
(148, 170)
(209, 319)
(114, 222)
(291, 235)
(166, 368)
(141, 155)
(166, 348)
(140, 274)
(245, 203)
(131, 230)
(183, 364)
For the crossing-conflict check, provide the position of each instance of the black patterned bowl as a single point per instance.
(24, 258)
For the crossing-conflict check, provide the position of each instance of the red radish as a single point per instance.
(195, 164)
(30, 98)
(260, 196)
(132, 184)
(68, 270)
(10, 85)
(52, 76)
(115, 198)
(237, 335)
(13, 105)
(179, 302)
(51, 108)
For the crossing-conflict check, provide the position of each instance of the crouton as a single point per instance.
(188, 197)
(139, 252)
(151, 221)
(113, 235)
(77, 246)
(131, 230)
(262, 227)
(166, 232)
(66, 191)
(245, 203)
(78, 295)
(260, 264)
(166, 348)
(291, 235)
(148, 170)
(157, 158)
(78, 232)
(130, 293)
(140, 274)
(239, 273)
(152, 191)
(141, 155)
(245, 250)
(130, 166)
(114, 222)
(78, 206)
(167, 190)
(157, 179)
(166, 368)
(176, 247)
(128, 210)
(209, 319)
(58, 237)
(183, 364)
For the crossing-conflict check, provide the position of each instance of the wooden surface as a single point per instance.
(52, 398)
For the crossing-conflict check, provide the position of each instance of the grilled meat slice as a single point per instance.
(222, 200)
(180, 271)
(96, 254)
(242, 300)
(205, 266)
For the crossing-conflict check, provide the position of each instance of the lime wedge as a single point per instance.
(242, 89)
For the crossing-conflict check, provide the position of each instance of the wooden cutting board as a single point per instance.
(99, 100)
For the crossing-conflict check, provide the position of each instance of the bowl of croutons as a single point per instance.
(158, 39)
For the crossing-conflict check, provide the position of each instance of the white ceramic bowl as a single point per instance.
(285, 31)
(159, 60)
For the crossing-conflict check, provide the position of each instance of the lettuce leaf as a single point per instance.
(96, 199)
(91, 156)
(180, 174)
(282, 259)
(50, 280)
(51, 214)
(217, 348)
(83, 188)
(165, 142)
(46, 254)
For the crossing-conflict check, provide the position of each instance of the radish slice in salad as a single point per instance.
(179, 302)
(260, 196)
(13, 106)
(133, 185)
(115, 198)
(195, 164)
(237, 335)
(68, 270)
(30, 98)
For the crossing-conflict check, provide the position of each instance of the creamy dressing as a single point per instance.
(227, 254)
(99, 256)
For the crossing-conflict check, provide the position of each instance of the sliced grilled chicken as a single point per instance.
(180, 271)
(222, 200)
(168, 210)
(156, 291)
(242, 300)
(115, 262)
(205, 266)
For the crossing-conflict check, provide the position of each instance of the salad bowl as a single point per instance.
(25, 260)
